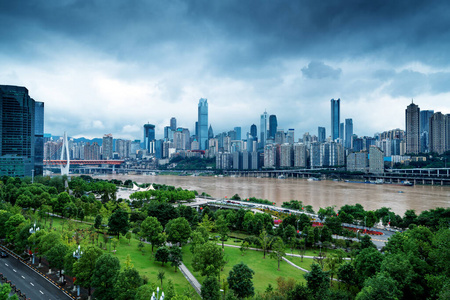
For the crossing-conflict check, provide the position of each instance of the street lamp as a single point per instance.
(77, 254)
(34, 229)
(157, 295)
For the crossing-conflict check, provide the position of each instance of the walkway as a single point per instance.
(190, 278)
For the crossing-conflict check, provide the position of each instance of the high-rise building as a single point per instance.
(39, 138)
(376, 162)
(300, 155)
(438, 133)
(210, 133)
(314, 155)
(358, 162)
(238, 133)
(107, 146)
(149, 135)
(286, 155)
(348, 133)
(273, 124)
(290, 137)
(341, 132)
(203, 123)
(280, 137)
(321, 134)
(425, 116)
(173, 123)
(412, 116)
(335, 118)
(254, 131)
(123, 148)
(18, 132)
(263, 130)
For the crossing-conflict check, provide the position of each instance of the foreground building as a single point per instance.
(20, 119)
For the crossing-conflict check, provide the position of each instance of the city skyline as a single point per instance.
(112, 68)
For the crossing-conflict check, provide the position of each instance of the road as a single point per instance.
(29, 282)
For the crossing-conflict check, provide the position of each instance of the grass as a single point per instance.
(265, 269)
(143, 260)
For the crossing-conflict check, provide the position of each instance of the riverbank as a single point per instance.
(316, 193)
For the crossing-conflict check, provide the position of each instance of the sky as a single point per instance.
(105, 66)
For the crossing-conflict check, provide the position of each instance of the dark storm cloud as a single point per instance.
(319, 70)
(236, 34)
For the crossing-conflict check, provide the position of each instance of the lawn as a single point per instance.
(265, 269)
(142, 260)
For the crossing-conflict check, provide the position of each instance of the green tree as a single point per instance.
(150, 229)
(170, 290)
(104, 278)
(5, 290)
(175, 257)
(118, 223)
(222, 228)
(144, 292)
(264, 241)
(13, 226)
(210, 288)
(98, 221)
(178, 231)
(162, 254)
(366, 242)
(55, 256)
(317, 281)
(84, 268)
(61, 202)
(197, 239)
(380, 287)
(347, 274)
(370, 218)
(208, 259)
(368, 263)
(240, 280)
(128, 281)
(398, 267)
(278, 251)
(244, 247)
(161, 276)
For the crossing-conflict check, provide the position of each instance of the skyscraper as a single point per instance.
(107, 146)
(210, 133)
(438, 133)
(348, 133)
(412, 116)
(149, 135)
(254, 131)
(203, 123)
(273, 124)
(39, 138)
(321, 134)
(238, 133)
(17, 131)
(173, 124)
(425, 116)
(335, 118)
(263, 130)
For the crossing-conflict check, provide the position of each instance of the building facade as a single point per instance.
(203, 123)
(335, 118)
(18, 132)
(412, 117)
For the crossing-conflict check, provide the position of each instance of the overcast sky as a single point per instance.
(105, 66)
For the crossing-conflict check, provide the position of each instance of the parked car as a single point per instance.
(3, 254)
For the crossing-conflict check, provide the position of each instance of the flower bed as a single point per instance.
(366, 231)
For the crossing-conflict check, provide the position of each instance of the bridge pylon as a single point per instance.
(65, 149)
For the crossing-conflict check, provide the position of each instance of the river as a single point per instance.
(317, 193)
